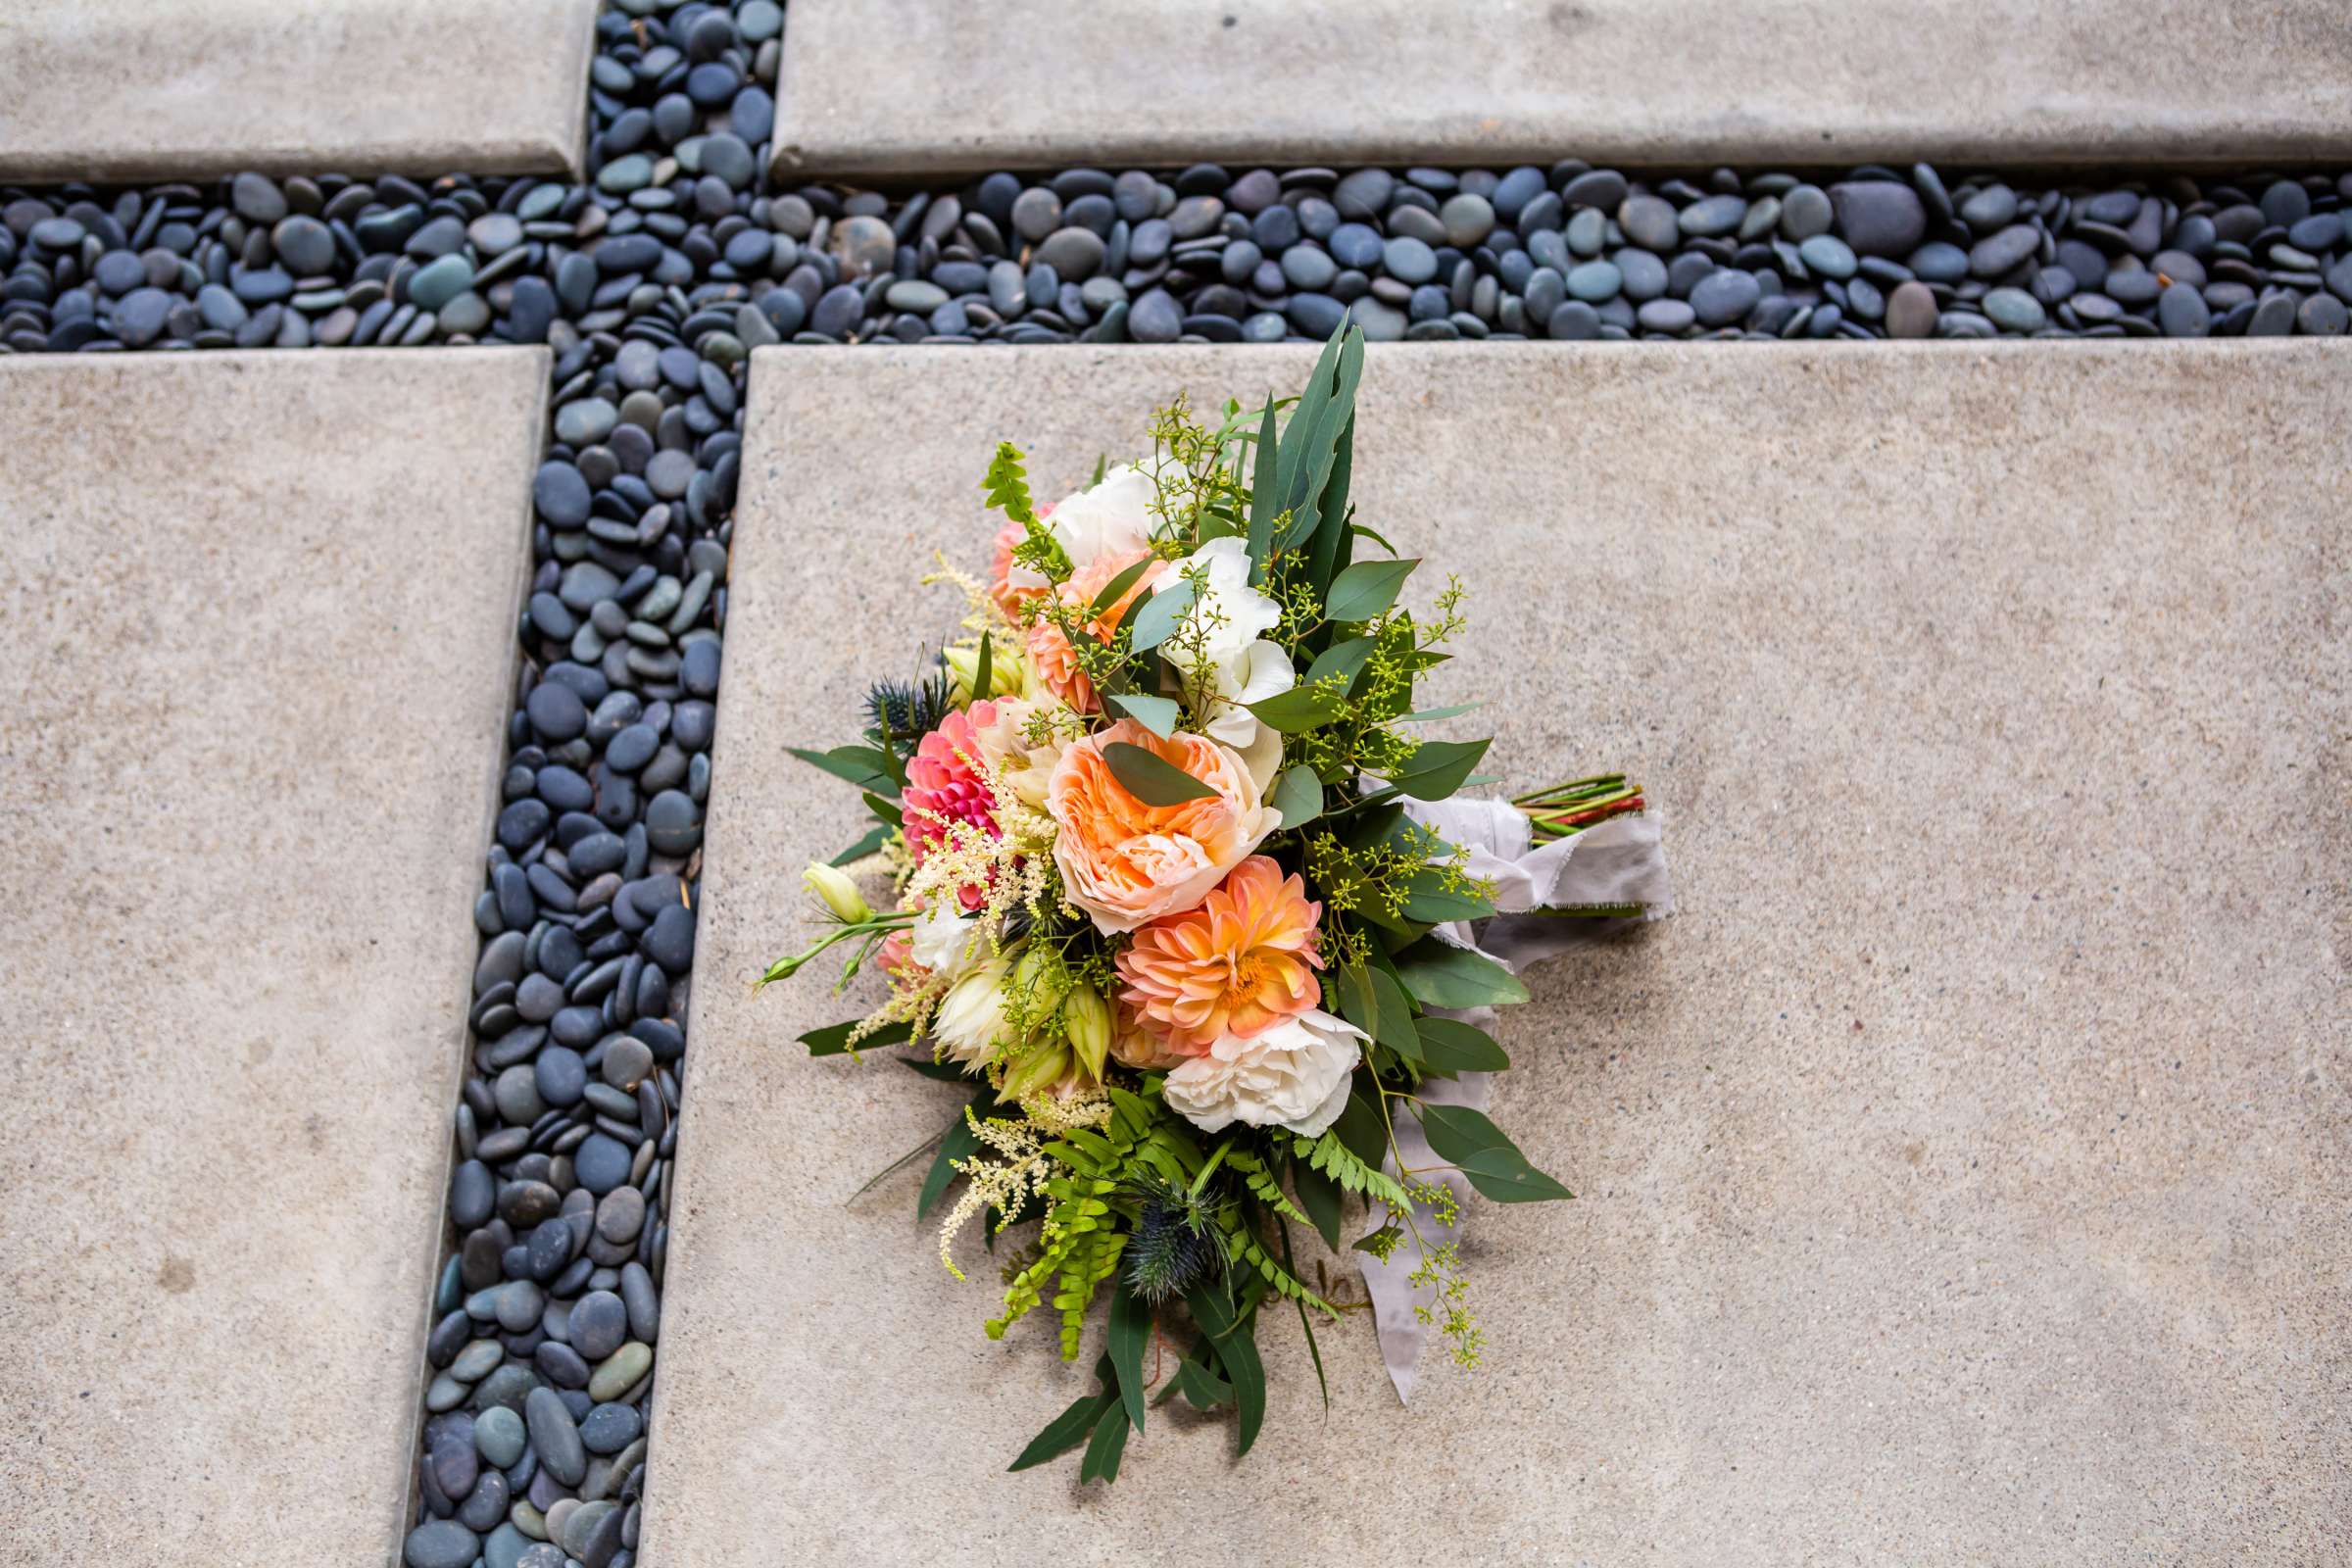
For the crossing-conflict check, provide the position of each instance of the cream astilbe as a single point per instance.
(1021, 1164)
(1014, 864)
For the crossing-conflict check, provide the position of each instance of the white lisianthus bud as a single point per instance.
(1085, 1018)
(834, 889)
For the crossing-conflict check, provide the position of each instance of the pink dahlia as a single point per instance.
(943, 786)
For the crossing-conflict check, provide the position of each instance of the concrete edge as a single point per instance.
(581, 43)
(806, 150)
(493, 768)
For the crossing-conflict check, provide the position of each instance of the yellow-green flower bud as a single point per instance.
(1085, 1018)
(837, 892)
(1036, 1071)
(1007, 672)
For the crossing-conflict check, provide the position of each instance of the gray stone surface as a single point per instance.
(123, 90)
(1961, 1171)
(258, 624)
(906, 86)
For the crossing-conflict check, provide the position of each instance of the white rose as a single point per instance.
(1296, 1076)
(971, 1016)
(945, 939)
(1113, 515)
(1227, 614)
(1261, 669)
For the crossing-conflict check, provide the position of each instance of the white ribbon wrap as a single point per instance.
(1618, 861)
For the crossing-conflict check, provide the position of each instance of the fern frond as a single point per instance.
(1246, 1250)
(1266, 1189)
(1339, 1162)
(1008, 484)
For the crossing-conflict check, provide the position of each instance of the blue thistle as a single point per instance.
(1174, 1246)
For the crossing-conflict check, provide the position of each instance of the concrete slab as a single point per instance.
(1962, 1170)
(258, 617)
(919, 87)
(104, 90)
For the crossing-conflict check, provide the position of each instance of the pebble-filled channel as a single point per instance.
(653, 281)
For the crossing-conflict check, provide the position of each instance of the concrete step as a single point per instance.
(910, 87)
(116, 90)
(1961, 1165)
(259, 627)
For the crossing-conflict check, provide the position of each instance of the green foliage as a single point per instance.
(1470, 1139)
(1262, 1184)
(1299, 797)
(1152, 778)
(1335, 1160)
(1450, 1046)
(833, 1040)
(1158, 714)
(1367, 589)
(1233, 1330)
(1440, 975)
(1246, 1250)
(1007, 484)
(1371, 1000)
(1071, 1428)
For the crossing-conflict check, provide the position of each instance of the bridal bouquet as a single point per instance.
(1182, 889)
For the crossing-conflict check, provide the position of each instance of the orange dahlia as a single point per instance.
(1237, 965)
(1051, 656)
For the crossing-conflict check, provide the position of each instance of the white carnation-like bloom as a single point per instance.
(1295, 1075)
(970, 1018)
(945, 940)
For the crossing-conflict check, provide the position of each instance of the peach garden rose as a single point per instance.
(1124, 863)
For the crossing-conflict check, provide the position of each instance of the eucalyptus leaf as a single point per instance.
(1458, 1046)
(1155, 620)
(1299, 710)
(1457, 1132)
(1153, 779)
(1372, 1000)
(1299, 797)
(1443, 976)
(1436, 768)
(1341, 662)
(1158, 714)
(1505, 1176)
(1367, 589)
(1102, 1461)
(1430, 902)
(1116, 588)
